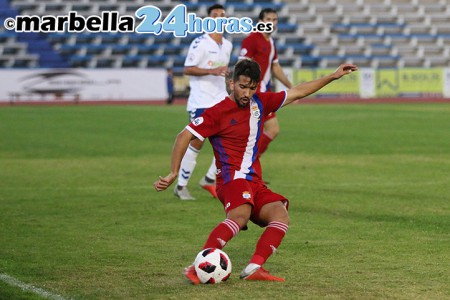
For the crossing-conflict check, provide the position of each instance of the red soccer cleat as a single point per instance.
(190, 274)
(261, 275)
(210, 187)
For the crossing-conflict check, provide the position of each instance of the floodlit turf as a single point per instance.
(369, 187)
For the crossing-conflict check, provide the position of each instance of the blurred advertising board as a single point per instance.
(83, 85)
(381, 83)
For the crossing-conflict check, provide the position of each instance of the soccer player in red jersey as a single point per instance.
(260, 47)
(234, 127)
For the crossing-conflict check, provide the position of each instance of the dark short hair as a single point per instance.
(215, 6)
(265, 11)
(249, 68)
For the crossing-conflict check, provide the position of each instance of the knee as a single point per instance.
(240, 215)
(284, 219)
(278, 213)
(241, 220)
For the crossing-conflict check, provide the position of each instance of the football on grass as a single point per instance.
(212, 266)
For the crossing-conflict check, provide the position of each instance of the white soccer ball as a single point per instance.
(212, 266)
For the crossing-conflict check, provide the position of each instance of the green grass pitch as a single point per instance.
(369, 190)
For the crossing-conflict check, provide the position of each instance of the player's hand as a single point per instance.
(164, 182)
(221, 71)
(345, 69)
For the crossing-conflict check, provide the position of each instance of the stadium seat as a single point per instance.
(24, 61)
(139, 39)
(178, 61)
(148, 49)
(106, 62)
(132, 61)
(68, 50)
(122, 49)
(111, 38)
(5, 62)
(80, 61)
(436, 61)
(13, 49)
(94, 49)
(156, 61)
(380, 49)
(286, 28)
(86, 38)
(61, 38)
(309, 61)
(385, 61)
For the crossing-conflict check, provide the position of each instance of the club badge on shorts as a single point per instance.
(246, 195)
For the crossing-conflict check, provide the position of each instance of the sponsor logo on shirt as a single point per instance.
(197, 121)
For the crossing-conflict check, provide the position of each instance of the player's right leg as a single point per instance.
(236, 219)
(191, 274)
(220, 235)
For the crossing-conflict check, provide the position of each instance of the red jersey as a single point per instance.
(264, 52)
(234, 132)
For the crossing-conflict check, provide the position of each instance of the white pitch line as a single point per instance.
(27, 287)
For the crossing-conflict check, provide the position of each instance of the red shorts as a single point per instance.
(240, 191)
(270, 116)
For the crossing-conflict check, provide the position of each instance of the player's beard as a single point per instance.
(243, 102)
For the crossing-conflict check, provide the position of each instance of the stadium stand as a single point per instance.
(311, 33)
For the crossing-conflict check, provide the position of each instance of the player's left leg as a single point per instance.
(273, 215)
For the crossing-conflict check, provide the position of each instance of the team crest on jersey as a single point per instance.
(254, 109)
(197, 121)
(246, 195)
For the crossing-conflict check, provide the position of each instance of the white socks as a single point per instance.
(187, 165)
(212, 170)
(251, 268)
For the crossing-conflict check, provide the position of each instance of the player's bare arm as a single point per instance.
(179, 149)
(307, 88)
(196, 71)
(279, 74)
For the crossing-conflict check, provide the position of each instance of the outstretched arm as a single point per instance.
(277, 70)
(307, 88)
(179, 149)
(196, 71)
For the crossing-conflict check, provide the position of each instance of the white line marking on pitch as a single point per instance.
(27, 287)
